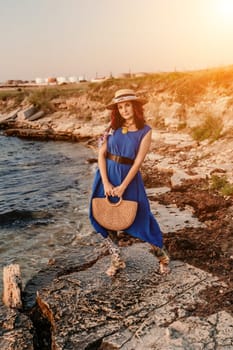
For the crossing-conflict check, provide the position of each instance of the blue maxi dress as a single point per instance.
(127, 145)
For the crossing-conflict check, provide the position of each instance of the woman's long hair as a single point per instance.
(117, 121)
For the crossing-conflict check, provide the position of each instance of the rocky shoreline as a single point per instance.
(72, 304)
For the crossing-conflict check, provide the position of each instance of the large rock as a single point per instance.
(36, 116)
(137, 309)
(10, 116)
(26, 113)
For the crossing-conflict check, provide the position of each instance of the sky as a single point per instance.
(96, 38)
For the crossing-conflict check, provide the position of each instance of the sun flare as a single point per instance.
(224, 9)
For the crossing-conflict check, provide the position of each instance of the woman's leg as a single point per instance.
(116, 260)
(163, 257)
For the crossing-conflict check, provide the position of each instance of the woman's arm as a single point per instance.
(108, 187)
(142, 152)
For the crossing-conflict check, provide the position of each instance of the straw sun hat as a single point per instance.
(124, 95)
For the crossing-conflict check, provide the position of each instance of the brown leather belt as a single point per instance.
(119, 159)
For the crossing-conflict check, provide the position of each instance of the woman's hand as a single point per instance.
(118, 191)
(108, 189)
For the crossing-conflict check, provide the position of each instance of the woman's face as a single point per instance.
(126, 110)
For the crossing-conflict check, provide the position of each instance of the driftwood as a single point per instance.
(12, 286)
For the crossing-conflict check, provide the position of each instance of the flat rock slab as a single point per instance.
(137, 309)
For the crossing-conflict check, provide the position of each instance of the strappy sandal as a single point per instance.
(164, 260)
(116, 264)
(164, 268)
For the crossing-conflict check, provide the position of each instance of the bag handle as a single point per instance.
(113, 204)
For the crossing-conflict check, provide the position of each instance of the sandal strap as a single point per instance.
(112, 247)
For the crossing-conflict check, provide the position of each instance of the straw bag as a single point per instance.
(114, 216)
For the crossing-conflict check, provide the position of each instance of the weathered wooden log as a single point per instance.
(12, 286)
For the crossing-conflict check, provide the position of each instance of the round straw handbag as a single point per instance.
(114, 216)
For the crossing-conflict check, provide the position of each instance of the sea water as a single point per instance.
(44, 199)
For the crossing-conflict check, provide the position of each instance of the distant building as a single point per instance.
(73, 79)
(59, 80)
(40, 81)
(51, 80)
(62, 80)
(15, 82)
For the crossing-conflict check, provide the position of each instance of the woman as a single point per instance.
(120, 156)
